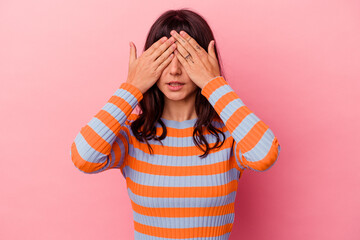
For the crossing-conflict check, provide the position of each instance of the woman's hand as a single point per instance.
(147, 69)
(201, 66)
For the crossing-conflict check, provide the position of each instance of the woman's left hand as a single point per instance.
(201, 66)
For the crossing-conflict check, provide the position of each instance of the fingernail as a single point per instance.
(182, 33)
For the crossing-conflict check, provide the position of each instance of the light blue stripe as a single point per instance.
(185, 124)
(186, 141)
(218, 93)
(127, 96)
(91, 155)
(102, 130)
(114, 111)
(84, 149)
(141, 236)
(87, 152)
(184, 222)
(154, 202)
(236, 148)
(279, 148)
(113, 155)
(179, 125)
(117, 112)
(277, 157)
(230, 109)
(147, 179)
(122, 148)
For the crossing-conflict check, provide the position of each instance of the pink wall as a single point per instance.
(294, 63)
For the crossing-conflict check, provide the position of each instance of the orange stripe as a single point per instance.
(237, 117)
(184, 212)
(253, 136)
(237, 153)
(224, 101)
(126, 146)
(95, 140)
(117, 153)
(181, 233)
(82, 164)
(120, 103)
(179, 192)
(175, 132)
(177, 151)
(267, 161)
(117, 150)
(211, 86)
(132, 117)
(149, 168)
(100, 145)
(234, 164)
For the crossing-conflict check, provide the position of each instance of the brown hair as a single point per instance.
(152, 104)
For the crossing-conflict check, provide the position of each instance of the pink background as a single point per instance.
(295, 64)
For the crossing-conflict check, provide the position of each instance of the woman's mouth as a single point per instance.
(175, 86)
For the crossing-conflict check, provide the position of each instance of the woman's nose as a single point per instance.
(175, 65)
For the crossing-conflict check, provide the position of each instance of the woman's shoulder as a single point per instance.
(217, 119)
(219, 123)
(131, 118)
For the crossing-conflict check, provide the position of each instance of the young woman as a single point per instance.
(183, 154)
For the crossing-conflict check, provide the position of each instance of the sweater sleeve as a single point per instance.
(255, 145)
(103, 143)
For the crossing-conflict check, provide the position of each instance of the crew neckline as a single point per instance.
(185, 123)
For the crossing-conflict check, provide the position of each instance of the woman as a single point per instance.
(187, 108)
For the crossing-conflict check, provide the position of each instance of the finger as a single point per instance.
(181, 59)
(156, 45)
(165, 54)
(162, 48)
(166, 62)
(184, 43)
(132, 52)
(211, 49)
(192, 42)
(181, 49)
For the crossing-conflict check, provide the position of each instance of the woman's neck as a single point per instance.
(179, 110)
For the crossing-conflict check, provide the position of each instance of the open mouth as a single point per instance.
(176, 84)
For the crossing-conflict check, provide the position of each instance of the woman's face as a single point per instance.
(176, 72)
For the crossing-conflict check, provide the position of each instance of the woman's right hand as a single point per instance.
(146, 70)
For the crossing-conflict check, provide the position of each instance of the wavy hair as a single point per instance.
(152, 104)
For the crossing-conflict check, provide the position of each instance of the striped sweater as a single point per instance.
(174, 194)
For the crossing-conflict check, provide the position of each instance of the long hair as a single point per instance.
(152, 104)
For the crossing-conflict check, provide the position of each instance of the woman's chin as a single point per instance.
(175, 96)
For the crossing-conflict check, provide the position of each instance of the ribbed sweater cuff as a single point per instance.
(212, 85)
(133, 90)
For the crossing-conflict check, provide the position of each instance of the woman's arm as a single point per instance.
(103, 143)
(256, 147)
